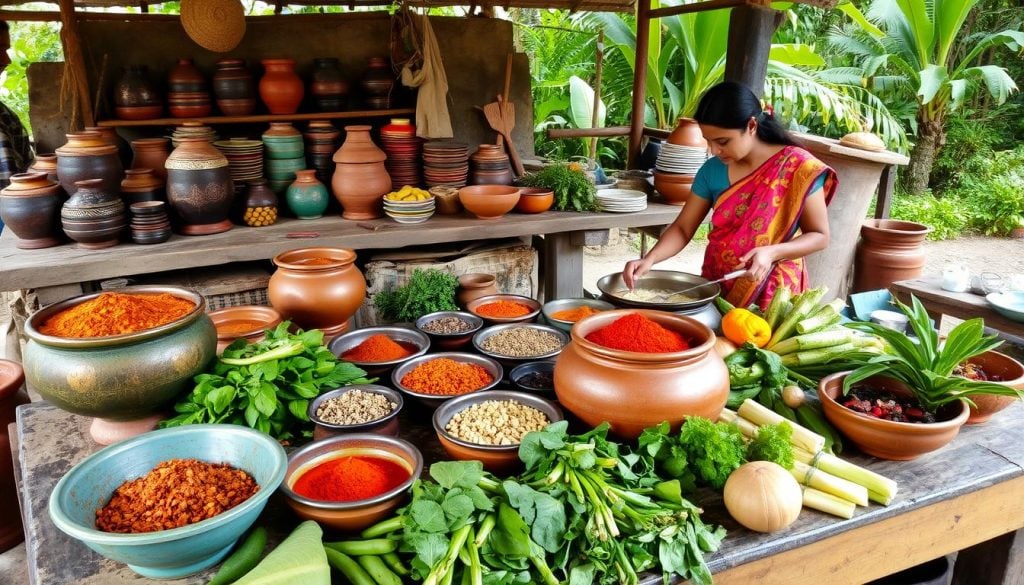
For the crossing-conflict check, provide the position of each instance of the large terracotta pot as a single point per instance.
(360, 179)
(280, 88)
(633, 391)
(885, 439)
(30, 207)
(1010, 372)
(317, 288)
(687, 133)
(328, 86)
(151, 153)
(199, 187)
(888, 250)
(12, 394)
(87, 155)
(93, 216)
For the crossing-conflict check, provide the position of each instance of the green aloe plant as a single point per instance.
(927, 367)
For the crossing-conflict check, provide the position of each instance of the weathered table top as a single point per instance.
(963, 305)
(21, 269)
(964, 494)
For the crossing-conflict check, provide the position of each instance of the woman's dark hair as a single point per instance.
(732, 105)
(4, 27)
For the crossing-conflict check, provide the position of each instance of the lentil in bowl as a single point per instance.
(444, 329)
(366, 408)
(515, 343)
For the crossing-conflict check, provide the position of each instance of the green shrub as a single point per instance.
(948, 217)
(995, 196)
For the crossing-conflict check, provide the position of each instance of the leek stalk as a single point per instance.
(830, 484)
(802, 437)
(881, 489)
(819, 500)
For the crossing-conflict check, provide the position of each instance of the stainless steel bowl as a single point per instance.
(386, 425)
(552, 307)
(434, 400)
(484, 334)
(443, 415)
(472, 305)
(523, 370)
(450, 341)
(612, 287)
(349, 341)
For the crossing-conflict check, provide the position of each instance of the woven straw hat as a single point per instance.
(216, 25)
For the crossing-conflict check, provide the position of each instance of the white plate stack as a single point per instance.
(680, 160)
(622, 200)
(409, 211)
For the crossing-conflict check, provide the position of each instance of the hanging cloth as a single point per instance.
(432, 118)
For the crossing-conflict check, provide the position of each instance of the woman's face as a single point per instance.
(729, 144)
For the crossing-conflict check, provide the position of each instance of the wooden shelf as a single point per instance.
(261, 118)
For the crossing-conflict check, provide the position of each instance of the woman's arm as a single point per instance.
(814, 236)
(672, 240)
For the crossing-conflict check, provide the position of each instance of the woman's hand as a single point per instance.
(759, 262)
(634, 271)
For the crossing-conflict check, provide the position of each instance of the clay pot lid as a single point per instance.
(216, 25)
(12, 377)
(86, 144)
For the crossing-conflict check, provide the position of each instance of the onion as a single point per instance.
(793, 396)
(763, 496)
(723, 347)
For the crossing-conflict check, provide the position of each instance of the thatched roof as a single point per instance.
(583, 5)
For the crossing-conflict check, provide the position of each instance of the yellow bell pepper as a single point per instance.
(741, 326)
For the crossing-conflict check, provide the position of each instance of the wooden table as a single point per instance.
(960, 305)
(565, 235)
(968, 493)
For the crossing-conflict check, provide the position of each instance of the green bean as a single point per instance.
(380, 572)
(374, 546)
(348, 567)
(395, 563)
(243, 559)
(383, 527)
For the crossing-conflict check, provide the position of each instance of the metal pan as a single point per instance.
(611, 286)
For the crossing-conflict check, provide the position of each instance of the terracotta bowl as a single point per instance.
(530, 317)
(535, 200)
(886, 439)
(357, 515)
(512, 361)
(1012, 373)
(452, 341)
(673, 189)
(552, 307)
(415, 341)
(489, 201)
(388, 425)
(502, 459)
(256, 318)
(435, 400)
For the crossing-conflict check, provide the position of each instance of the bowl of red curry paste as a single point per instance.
(350, 482)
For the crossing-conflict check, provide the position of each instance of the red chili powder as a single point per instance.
(351, 478)
(504, 309)
(635, 332)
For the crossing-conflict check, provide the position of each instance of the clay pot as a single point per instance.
(473, 286)
(30, 207)
(151, 153)
(228, 320)
(675, 189)
(888, 250)
(1009, 370)
(234, 88)
(307, 197)
(12, 395)
(378, 79)
(535, 200)
(687, 133)
(46, 163)
(186, 77)
(317, 288)
(134, 89)
(633, 391)
(360, 179)
(141, 185)
(280, 88)
(328, 87)
(885, 439)
(87, 155)
(93, 216)
(199, 187)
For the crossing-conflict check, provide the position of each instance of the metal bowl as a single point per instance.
(552, 307)
(435, 400)
(528, 368)
(484, 334)
(612, 286)
(450, 341)
(349, 341)
(471, 306)
(386, 425)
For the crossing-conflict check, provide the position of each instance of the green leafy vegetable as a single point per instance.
(267, 385)
(573, 191)
(427, 291)
(772, 443)
(300, 558)
(713, 449)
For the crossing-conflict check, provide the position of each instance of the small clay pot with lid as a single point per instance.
(473, 286)
(199, 187)
(93, 216)
(12, 395)
(30, 207)
(141, 185)
(87, 155)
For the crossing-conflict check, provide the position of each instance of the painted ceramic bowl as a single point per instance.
(356, 515)
(434, 400)
(450, 341)
(386, 425)
(496, 458)
(416, 342)
(474, 305)
(177, 552)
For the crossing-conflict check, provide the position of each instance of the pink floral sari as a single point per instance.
(762, 209)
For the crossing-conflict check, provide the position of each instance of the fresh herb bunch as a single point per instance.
(267, 385)
(573, 190)
(427, 291)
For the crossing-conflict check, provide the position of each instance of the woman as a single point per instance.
(768, 195)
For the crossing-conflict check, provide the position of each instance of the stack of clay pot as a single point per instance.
(490, 166)
(150, 153)
(280, 88)
(30, 207)
(679, 160)
(150, 224)
(141, 185)
(135, 96)
(188, 95)
(199, 188)
(321, 143)
(94, 216)
(328, 87)
(234, 88)
(360, 180)
(403, 149)
(377, 83)
(87, 155)
(284, 154)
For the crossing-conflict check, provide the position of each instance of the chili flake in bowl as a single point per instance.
(377, 350)
(505, 308)
(433, 379)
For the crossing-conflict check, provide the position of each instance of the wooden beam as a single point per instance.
(636, 123)
(697, 7)
(886, 188)
(608, 132)
(750, 40)
(75, 70)
(595, 114)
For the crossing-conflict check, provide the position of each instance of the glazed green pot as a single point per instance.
(307, 197)
(122, 377)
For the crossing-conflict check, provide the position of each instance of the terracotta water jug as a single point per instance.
(687, 133)
(199, 187)
(280, 88)
(888, 250)
(30, 207)
(360, 179)
(317, 288)
(12, 395)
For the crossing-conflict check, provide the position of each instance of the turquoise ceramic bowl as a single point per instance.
(1008, 304)
(174, 553)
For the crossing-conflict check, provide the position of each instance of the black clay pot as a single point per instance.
(30, 207)
(93, 216)
(199, 187)
(134, 89)
(329, 87)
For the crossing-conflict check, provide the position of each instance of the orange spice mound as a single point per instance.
(376, 348)
(446, 377)
(574, 315)
(503, 309)
(117, 314)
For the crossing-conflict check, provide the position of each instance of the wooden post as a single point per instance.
(75, 70)
(886, 186)
(598, 64)
(750, 40)
(643, 40)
